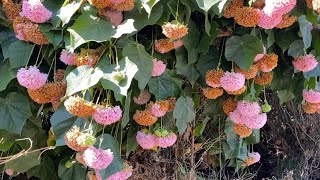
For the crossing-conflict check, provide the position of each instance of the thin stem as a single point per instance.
(221, 51)
(38, 54)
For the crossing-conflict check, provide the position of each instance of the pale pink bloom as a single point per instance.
(305, 63)
(167, 141)
(279, 6)
(143, 97)
(158, 68)
(260, 56)
(248, 109)
(97, 158)
(236, 117)
(121, 175)
(232, 81)
(177, 44)
(31, 78)
(68, 58)
(256, 122)
(107, 115)
(311, 96)
(269, 21)
(146, 141)
(157, 111)
(115, 17)
(9, 172)
(35, 11)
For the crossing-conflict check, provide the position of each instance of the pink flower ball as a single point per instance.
(97, 158)
(156, 110)
(177, 44)
(121, 175)
(232, 81)
(35, 11)
(167, 141)
(68, 58)
(31, 78)
(143, 97)
(269, 21)
(158, 68)
(107, 115)
(115, 17)
(256, 122)
(248, 109)
(279, 6)
(305, 63)
(9, 172)
(255, 156)
(116, 1)
(260, 56)
(311, 96)
(146, 141)
(236, 117)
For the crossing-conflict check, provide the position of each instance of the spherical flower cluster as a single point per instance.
(9, 172)
(100, 3)
(11, 9)
(165, 45)
(68, 58)
(115, 17)
(305, 63)
(287, 21)
(248, 74)
(27, 31)
(31, 77)
(212, 93)
(50, 92)
(121, 175)
(146, 140)
(143, 97)
(70, 139)
(311, 96)
(310, 108)
(249, 114)
(97, 158)
(213, 78)
(232, 8)
(145, 118)
(107, 115)
(269, 21)
(268, 62)
(238, 92)
(263, 79)
(247, 16)
(260, 56)
(126, 5)
(242, 130)
(166, 141)
(174, 30)
(232, 81)
(252, 158)
(159, 108)
(158, 68)
(35, 11)
(79, 107)
(229, 105)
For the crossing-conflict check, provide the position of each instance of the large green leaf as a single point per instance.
(66, 12)
(35, 133)
(206, 4)
(206, 39)
(20, 53)
(45, 171)
(7, 37)
(285, 38)
(62, 121)
(183, 68)
(285, 96)
(54, 6)
(137, 54)
(7, 139)
(90, 28)
(76, 172)
(207, 62)
(24, 162)
(243, 49)
(305, 28)
(191, 40)
(14, 110)
(164, 86)
(127, 68)
(106, 141)
(82, 78)
(184, 113)
(296, 48)
(6, 75)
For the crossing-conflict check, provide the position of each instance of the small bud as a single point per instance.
(266, 108)
(118, 77)
(86, 140)
(69, 164)
(161, 133)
